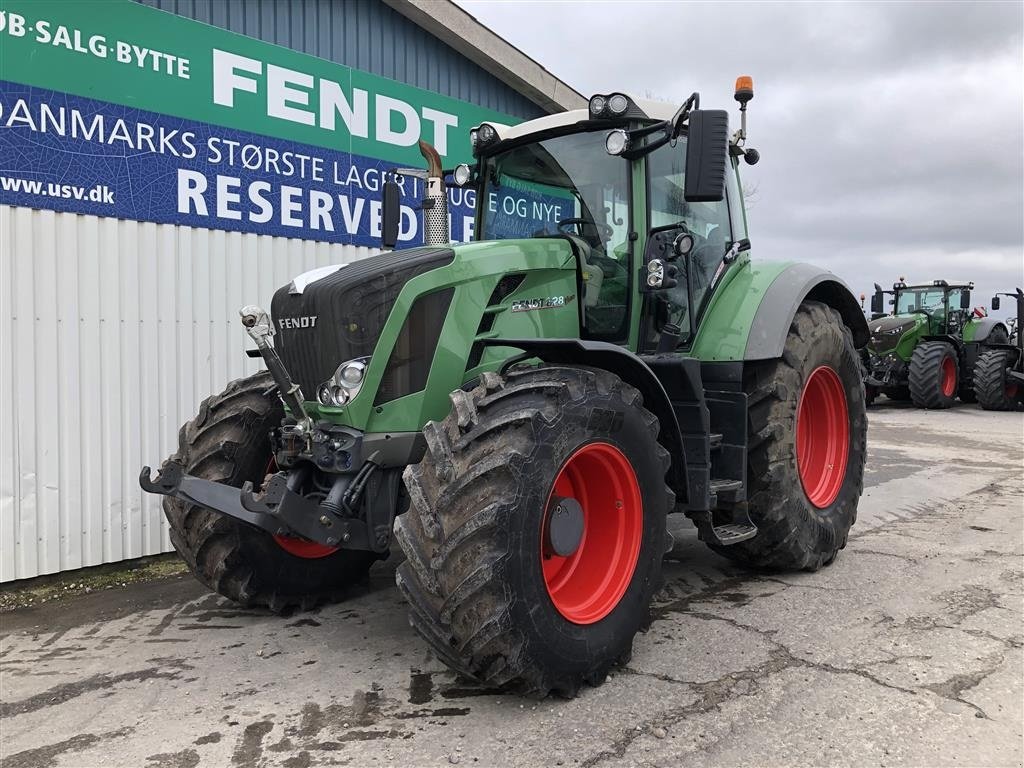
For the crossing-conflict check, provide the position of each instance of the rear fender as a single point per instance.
(981, 328)
(749, 316)
(794, 285)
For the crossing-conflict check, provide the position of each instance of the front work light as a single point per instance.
(597, 105)
(616, 142)
(618, 104)
(462, 174)
(487, 134)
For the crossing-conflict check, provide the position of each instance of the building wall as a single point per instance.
(113, 330)
(365, 35)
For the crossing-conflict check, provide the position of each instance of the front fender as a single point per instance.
(632, 370)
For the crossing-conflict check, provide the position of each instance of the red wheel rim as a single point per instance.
(310, 550)
(296, 545)
(822, 436)
(1011, 390)
(948, 376)
(587, 585)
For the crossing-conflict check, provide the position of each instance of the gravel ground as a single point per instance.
(907, 651)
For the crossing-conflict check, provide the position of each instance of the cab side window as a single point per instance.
(708, 223)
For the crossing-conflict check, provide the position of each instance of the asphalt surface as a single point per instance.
(906, 651)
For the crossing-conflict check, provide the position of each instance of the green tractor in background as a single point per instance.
(925, 351)
(999, 370)
(521, 414)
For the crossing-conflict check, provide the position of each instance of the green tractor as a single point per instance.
(999, 370)
(521, 414)
(926, 350)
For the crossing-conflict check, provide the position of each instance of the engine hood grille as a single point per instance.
(340, 316)
(886, 332)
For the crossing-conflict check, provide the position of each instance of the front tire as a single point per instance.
(807, 443)
(227, 442)
(994, 389)
(484, 588)
(934, 375)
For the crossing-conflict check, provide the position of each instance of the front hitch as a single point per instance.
(279, 509)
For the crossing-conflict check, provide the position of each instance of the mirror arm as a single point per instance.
(682, 113)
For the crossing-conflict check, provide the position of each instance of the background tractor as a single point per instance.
(522, 413)
(926, 349)
(999, 370)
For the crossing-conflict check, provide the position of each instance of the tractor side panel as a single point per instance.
(910, 339)
(487, 297)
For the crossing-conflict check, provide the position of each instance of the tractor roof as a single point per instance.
(950, 284)
(642, 109)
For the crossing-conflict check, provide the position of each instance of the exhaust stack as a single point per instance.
(435, 202)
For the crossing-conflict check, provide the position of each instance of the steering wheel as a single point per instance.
(603, 229)
(924, 312)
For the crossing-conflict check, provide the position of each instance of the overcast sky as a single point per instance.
(891, 134)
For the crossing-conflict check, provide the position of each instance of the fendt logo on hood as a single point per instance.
(289, 323)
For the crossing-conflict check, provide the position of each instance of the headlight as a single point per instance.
(597, 105)
(344, 384)
(618, 104)
(350, 374)
(616, 142)
(474, 137)
(332, 394)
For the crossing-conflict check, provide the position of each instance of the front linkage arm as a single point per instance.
(260, 328)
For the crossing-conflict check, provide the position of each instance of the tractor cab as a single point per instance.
(646, 194)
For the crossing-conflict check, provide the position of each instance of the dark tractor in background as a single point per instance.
(999, 370)
(925, 351)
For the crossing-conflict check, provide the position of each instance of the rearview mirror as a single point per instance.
(965, 299)
(995, 302)
(877, 303)
(390, 213)
(707, 148)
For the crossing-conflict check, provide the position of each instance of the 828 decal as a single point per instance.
(528, 305)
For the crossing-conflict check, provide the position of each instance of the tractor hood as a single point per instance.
(334, 314)
(887, 331)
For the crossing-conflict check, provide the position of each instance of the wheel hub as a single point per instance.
(564, 529)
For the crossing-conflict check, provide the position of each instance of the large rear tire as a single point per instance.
(993, 388)
(227, 442)
(934, 375)
(484, 588)
(807, 438)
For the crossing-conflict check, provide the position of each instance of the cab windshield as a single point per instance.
(568, 185)
(916, 299)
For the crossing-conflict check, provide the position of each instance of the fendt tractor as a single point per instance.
(926, 349)
(548, 397)
(999, 370)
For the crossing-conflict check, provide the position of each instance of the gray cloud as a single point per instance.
(891, 134)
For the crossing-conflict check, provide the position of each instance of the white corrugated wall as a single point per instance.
(111, 332)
